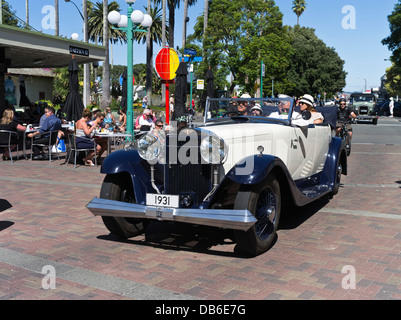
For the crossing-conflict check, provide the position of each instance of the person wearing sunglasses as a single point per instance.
(344, 115)
(306, 103)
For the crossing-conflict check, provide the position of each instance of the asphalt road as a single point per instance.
(387, 132)
(347, 247)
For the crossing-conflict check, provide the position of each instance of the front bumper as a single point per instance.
(221, 218)
(366, 118)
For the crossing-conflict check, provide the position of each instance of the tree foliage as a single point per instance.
(315, 67)
(241, 34)
(393, 41)
(393, 83)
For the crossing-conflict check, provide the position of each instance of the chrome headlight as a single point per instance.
(149, 147)
(213, 150)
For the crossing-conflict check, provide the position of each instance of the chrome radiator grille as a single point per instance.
(193, 179)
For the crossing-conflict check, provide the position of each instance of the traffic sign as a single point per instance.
(190, 52)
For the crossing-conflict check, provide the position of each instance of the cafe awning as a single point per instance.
(30, 49)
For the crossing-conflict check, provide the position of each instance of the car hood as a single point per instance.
(243, 139)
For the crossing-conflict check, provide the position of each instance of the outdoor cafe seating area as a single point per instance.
(62, 150)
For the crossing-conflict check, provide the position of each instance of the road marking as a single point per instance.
(120, 286)
(362, 213)
(362, 185)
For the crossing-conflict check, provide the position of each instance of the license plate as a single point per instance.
(162, 200)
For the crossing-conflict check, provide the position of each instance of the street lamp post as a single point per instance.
(130, 23)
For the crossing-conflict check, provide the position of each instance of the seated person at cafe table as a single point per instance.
(85, 132)
(145, 121)
(42, 136)
(8, 123)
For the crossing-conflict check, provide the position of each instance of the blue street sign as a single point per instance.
(190, 52)
(192, 59)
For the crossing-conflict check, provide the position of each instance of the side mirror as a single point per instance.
(306, 115)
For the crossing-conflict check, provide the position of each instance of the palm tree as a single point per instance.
(154, 34)
(27, 11)
(56, 17)
(100, 29)
(205, 17)
(172, 5)
(95, 23)
(298, 6)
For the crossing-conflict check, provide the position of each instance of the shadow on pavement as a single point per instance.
(179, 236)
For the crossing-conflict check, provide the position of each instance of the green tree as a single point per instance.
(298, 6)
(393, 41)
(239, 36)
(315, 68)
(95, 23)
(9, 17)
(393, 83)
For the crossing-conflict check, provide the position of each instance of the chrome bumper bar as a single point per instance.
(227, 219)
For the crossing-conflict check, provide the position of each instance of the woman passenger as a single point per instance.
(306, 103)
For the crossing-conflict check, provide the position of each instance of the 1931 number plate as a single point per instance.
(162, 200)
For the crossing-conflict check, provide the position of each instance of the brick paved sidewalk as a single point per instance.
(43, 221)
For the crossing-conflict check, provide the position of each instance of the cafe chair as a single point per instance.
(9, 137)
(49, 146)
(72, 148)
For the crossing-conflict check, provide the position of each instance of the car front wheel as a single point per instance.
(264, 202)
(116, 188)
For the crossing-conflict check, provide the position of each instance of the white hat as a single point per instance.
(245, 96)
(283, 96)
(257, 107)
(146, 111)
(307, 99)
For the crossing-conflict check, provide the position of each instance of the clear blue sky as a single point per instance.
(359, 46)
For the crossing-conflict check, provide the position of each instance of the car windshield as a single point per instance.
(263, 109)
(362, 98)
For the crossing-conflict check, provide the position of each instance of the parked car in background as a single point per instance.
(363, 105)
(236, 171)
(384, 109)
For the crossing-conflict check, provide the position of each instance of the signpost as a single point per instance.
(191, 58)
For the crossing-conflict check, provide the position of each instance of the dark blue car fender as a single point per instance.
(336, 155)
(129, 162)
(264, 165)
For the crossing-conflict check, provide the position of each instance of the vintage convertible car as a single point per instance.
(234, 171)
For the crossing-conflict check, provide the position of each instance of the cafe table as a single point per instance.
(111, 136)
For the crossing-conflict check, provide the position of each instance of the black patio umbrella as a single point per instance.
(210, 90)
(74, 105)
(180, 91)
(23, 101)
(123, 102)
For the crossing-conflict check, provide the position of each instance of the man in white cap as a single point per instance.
(284, 108)
(146, 119)
(256, 110)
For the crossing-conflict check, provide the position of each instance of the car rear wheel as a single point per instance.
(116, 188)
(264, 202)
